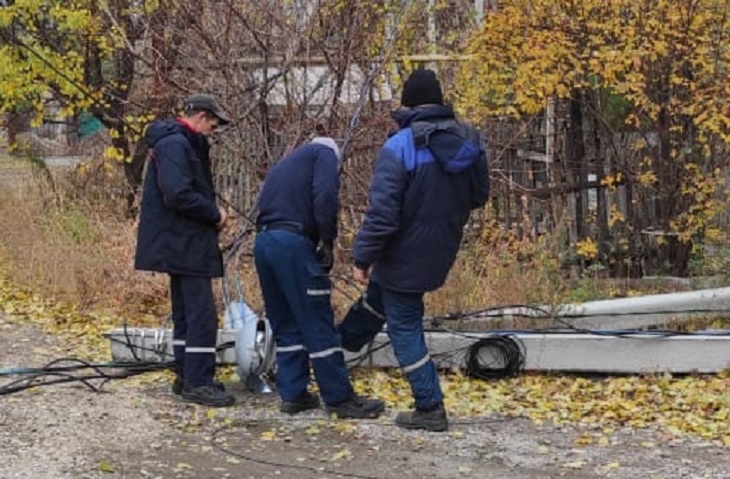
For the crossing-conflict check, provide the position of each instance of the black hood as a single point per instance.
(164, 128)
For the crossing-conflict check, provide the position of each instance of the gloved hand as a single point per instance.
(325, 255)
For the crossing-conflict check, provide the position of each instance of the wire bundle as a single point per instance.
(66, 370)
(495, 357)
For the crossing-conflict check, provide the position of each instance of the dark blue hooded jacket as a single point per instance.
(420, 199)
(303, 188)
(177, 226)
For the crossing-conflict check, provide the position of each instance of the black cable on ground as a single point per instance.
(135, 348)
(318, 470)
(301, 467)
(67, 374)
(36, 377)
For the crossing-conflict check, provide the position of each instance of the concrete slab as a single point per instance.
(708, 352)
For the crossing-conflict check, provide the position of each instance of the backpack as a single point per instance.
(454, 136)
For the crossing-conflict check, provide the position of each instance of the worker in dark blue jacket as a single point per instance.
(427, 179)
(297, 227)
(178, 235)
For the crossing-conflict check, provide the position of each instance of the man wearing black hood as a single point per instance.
(178, 235)
(427, 179)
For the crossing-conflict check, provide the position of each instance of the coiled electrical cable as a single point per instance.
(495, 357)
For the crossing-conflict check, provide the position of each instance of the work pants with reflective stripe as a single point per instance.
(195, 328)
(296, 292)
(404, 319)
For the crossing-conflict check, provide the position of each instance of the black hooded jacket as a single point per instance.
(177, 226)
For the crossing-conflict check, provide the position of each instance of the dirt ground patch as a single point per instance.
(138, 429)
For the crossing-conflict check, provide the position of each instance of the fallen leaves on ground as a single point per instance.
(80, 333)
(698, 405)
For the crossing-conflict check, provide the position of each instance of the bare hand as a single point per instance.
(222, 222)
(362, 276)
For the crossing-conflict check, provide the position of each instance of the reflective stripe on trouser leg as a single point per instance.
(292, 362)
(179, 327)
(404, 313)
(292, 375)
(318, 328)
(330, 370)
(201, 320)
(290, 261)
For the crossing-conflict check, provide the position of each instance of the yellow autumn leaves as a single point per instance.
(698, 405)
(80, 332)
(529, 51)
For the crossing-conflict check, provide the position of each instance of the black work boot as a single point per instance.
(432, 420)
(178, 385)
(357, 407)
(208, 396)
(305, 403)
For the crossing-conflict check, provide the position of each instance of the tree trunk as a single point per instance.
(673, 254)
(576, 160)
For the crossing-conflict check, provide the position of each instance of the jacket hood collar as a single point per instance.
(164, 128)
(405, 117)
(454, 146)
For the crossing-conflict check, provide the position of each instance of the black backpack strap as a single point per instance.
(423, 130)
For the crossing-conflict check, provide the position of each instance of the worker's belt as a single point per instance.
(295, 228)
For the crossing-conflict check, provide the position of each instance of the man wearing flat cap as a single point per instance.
(427, 179)
(178, 235)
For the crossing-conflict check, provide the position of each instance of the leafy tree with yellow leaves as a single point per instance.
(86, 56)
(664, 62)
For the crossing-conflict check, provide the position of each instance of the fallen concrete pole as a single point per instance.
(628, 313)
(569, 352)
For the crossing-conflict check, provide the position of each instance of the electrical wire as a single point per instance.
(355, 362)
(284, 465)
(522, 311)
(495, 357)
(542, 313)
(36, 377)
(66, 373)
(319, 471)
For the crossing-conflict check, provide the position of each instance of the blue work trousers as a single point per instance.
(296, 292)
(404, 320)
(195, 328)
(363, 320)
